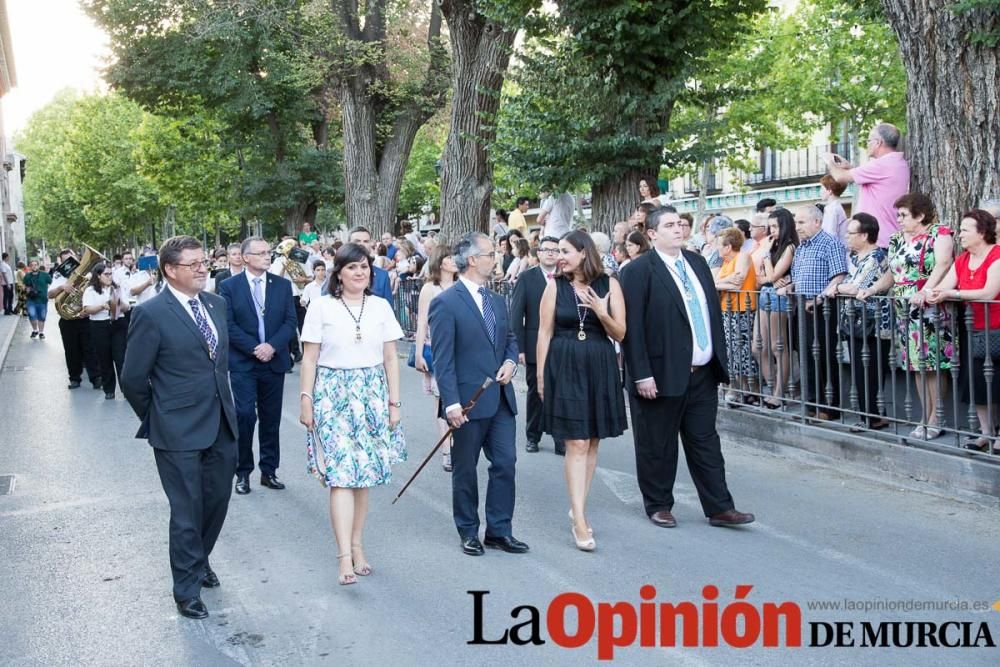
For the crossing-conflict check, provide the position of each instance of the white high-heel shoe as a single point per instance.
(583, 545)
(572, 520)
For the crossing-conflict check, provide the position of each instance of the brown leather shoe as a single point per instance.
(663, 519)
(730, 518)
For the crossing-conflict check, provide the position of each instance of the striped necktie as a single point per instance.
(203, 327)
(489, 317)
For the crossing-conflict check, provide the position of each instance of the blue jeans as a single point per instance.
(771, 302)
(37, 311)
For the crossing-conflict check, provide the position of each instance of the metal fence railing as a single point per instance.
(927, 375)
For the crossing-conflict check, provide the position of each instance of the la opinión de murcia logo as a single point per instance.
(737, 623)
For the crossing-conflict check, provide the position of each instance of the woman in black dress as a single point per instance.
(578, 377)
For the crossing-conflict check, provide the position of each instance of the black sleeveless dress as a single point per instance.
(583, 388)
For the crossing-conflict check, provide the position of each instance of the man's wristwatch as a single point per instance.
(395, 404)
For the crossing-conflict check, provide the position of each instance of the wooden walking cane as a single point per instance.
(465, 410)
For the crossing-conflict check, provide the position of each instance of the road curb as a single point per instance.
(961, 476)
(5, 345)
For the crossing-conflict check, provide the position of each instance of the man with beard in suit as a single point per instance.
(524, 320)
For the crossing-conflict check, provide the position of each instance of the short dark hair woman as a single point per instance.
(106, 304)
(578, 377)
(350, 399)
(975, 276)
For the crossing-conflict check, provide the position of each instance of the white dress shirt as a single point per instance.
(183, 298)
(138, 278)
(699, 357)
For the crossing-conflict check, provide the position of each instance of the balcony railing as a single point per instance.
(786, 166)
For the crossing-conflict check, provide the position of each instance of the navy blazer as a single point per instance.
(381, 285)
(241, 313)
(464, 356)
(178, 391)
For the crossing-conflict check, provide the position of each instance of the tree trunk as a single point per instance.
(374, 165)
(361, 187)
(481, 51)
(704, 172)
(953, 103)
(615, 199)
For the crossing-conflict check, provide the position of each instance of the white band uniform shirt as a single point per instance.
(139, 278)
(278, 269)
(183, 298)
(312, 292)
(330, 324)
(699, 356)
(92, 298)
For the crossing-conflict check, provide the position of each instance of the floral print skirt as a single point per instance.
(924, 335)
(353, 445)
(738, 328)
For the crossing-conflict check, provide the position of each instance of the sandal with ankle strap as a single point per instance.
(361, 570)
(346, 579)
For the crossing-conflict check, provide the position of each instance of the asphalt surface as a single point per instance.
(85, 577)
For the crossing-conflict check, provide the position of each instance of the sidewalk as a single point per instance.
(8, 327)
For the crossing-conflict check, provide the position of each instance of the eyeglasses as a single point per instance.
(255, 254)
(198, 266)
(549, 250)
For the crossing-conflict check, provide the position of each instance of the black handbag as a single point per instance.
(855, 322)
(411, 361)
(981, 347)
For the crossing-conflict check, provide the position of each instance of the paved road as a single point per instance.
(83, 543)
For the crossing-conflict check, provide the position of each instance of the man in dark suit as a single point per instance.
(233, 252)
(675, 358)
(472, 340)
(524, 319)
(176, 378)
(261, 316)
(381, 285)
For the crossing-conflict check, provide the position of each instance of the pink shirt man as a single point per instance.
(881, 182)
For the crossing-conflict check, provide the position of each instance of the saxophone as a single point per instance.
(293, 268)
(69, 304)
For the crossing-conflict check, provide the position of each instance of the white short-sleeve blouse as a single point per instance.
(329, 324)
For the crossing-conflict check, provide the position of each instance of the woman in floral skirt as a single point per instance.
(350, 399)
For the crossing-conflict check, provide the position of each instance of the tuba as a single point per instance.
(69, 304)
(294, 256)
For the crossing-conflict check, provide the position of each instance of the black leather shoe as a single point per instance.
(531, 447)
(109, 396)
(508, 544)
(471, 546)
(74, 384)
(242, 484)
(97, 383)
(298, 358)
(192, 608)
(210, 580)
(560, 448)
(271, 482)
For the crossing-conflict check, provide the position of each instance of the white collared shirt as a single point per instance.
(183, 298)
(699, 357)
(263, 288)
(474, 291)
